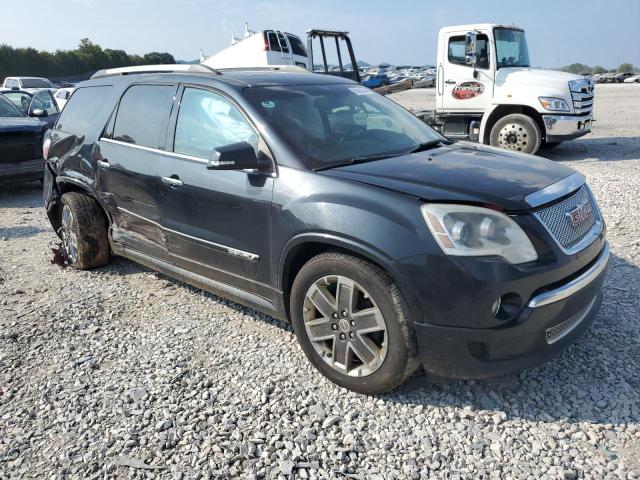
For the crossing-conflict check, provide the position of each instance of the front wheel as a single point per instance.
(516, 132)
(352, 323)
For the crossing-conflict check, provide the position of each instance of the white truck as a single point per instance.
(487, 92)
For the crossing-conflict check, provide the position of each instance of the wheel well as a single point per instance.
(301, 254)
(66, 187)
(504, 110)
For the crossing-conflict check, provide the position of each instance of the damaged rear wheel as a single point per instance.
(83, 231)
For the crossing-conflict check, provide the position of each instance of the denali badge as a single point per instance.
(466, 90)
(580, 213)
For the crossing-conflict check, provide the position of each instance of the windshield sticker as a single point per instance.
(361, 91)
(467, 90)
(268, 104)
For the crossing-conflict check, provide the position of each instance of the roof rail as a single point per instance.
(268, 68)
(194, 68)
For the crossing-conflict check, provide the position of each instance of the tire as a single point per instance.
(516, 132)
(83, 231)
(395, 348)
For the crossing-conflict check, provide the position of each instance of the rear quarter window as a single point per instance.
(81, 109)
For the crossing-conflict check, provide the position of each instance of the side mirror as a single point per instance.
(237, 156)
(39, 112)
(470, 40)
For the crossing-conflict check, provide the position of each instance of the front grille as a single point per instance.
(555, 333)
(20, 147)
(558, 221)
(583, 100)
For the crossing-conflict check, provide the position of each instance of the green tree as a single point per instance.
(599, 69)
(577, 68)
(625, 68)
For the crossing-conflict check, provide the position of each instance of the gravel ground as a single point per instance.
(124, 373)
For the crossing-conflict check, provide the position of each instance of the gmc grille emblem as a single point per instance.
(580, 213)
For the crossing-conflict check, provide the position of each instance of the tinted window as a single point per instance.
(19, 99)
(331, 124)
(82, 106)
(274, 46)
(457, 52)
(43, 100)
(36, 83)
(7, 109)
(207, 121)
(143, 114)
(297, 48)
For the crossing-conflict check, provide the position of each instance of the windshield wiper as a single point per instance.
(428, 145)
(356, 160)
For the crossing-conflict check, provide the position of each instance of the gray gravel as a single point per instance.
(124, 373)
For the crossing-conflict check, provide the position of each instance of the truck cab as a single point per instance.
(486, 91)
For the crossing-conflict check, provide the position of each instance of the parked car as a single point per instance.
(62, 96)
(26, 83)
(632, 79)
(20, 144)
(35, 103)
(314, 199)
(424, 82)
(621, 77)
(375, 81)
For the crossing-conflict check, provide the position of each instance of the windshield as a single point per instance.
(36, 83)
(511, 48)
(7, 109)
(329, 125)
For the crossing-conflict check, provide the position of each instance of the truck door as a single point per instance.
(459, 89)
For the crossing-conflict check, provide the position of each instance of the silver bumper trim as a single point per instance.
(569, 125)
(574, 285)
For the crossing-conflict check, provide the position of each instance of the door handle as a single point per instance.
(172, 181)
(104, 163)
(450, 82)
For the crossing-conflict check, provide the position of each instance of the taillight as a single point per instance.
(45, 148)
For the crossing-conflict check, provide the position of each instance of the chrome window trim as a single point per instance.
(555, 190)
(156, 150)
(574, 285)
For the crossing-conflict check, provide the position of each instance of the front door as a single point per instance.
(459, 90)
(217, 222)
(43, 100)
(130, 155)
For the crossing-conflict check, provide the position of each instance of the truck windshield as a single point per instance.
(330, 125)
(511, 48)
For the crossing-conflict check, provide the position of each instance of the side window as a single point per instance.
(457, 51)
(81, 108)
(43, 100)
(274, 45)
(297, 48)
(206, 121)
(143, 114)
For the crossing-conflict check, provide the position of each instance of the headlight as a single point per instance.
(474, 231)
(554, 104)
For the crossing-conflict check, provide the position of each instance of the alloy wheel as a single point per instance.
(68, 234)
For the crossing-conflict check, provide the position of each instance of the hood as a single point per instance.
(535, 76)
(463, 172)
(20, 124)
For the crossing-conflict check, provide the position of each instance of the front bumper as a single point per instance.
(551, 320)
(20, 171)
(566, 127)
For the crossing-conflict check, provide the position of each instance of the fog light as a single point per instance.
(496, 306)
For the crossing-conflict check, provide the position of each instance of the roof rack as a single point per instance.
(194, 68)
(268, 68)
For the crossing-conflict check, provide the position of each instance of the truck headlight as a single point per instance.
(554, 104)
(464, 230)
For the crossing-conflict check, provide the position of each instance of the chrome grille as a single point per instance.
(555, 333)
(558, 222)
(582, 97)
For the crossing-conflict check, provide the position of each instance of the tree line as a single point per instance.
(83, 61)
(580, 68)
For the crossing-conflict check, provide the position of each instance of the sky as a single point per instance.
(595, 32)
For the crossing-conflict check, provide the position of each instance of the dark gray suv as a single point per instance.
(314, 199)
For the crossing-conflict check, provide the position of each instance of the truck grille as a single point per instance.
(583, 99)
(20, 147)
(557, 218)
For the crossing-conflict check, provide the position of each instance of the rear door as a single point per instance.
(132, 150)
(461, 91)
(217, 222)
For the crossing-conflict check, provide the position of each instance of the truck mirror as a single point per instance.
(470, 48)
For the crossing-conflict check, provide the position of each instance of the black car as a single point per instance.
(20, 144)
(40, 104)
(314, 199)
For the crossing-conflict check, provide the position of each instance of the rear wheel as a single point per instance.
(353, 323)
(83, 231)
(516, 132)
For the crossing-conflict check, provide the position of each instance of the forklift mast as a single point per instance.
(321, 35)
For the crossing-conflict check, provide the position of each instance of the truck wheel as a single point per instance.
(83, 231)
(353, 323)
(516, 132)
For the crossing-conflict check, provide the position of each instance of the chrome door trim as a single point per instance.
(157, 150)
